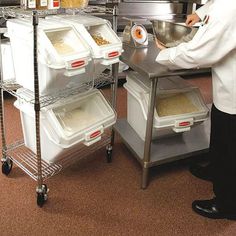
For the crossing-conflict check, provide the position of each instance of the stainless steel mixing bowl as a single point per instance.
(171, 34)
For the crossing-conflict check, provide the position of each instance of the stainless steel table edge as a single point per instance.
(142, 60)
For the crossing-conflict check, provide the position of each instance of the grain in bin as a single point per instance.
(179, 105)
(105, 46)
(63, 57)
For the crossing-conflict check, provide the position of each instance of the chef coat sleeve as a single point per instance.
(211, 43)
(202, 11)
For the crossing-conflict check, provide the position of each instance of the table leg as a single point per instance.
(149, 128)
(144, 177)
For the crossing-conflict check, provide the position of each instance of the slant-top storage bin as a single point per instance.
(63, 57)
(104, 44)
(179, 105)
(66, 125)
(8, 71)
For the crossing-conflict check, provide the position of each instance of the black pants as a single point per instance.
(223, 158)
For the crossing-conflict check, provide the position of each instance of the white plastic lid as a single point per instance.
(59, 45)
(66, 42)
(69, 48)
(86, 20)
(173, 83)
(81, 114)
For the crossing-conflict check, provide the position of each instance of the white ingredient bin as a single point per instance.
(63, 58)
(8, 71)
(88, 26)
(181, 105)
(66, 125)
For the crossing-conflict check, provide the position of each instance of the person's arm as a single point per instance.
(198, 14)
(212, 42)
(202, 11)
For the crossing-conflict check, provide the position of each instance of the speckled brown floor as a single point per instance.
(97, 198)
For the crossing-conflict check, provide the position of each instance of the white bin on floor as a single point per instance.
(80, 119)
(179, 106)
(90, 27)
(63, 57)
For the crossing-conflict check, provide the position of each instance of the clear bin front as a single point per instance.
(102, 35)
(65, 41)
(80, 115)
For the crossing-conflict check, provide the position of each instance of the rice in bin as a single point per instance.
(174, 105)
(62, 48)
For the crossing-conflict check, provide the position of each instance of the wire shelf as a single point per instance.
(103, 80)
(16, 11)
(90, 10)
(45, 100)
(11, 86)
(26, 160)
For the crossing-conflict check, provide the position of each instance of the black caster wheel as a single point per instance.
(42, 197)
(109, 156)
(7, 166)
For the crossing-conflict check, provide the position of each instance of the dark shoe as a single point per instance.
(201, 172)
(209, 209)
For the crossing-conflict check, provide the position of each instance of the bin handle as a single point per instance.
(183, 125)
(93, 136)
(77, 64)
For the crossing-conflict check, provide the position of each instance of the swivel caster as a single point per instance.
(42, 196)
(7, 166)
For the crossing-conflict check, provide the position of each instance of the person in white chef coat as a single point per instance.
(214, 45)
(202, 172)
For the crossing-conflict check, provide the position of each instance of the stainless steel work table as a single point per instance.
(151, 153)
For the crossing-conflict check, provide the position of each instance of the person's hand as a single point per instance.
(159, 44)
(192, 19)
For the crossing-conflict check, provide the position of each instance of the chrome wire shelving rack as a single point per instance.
(24, 157)
(31, 163)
